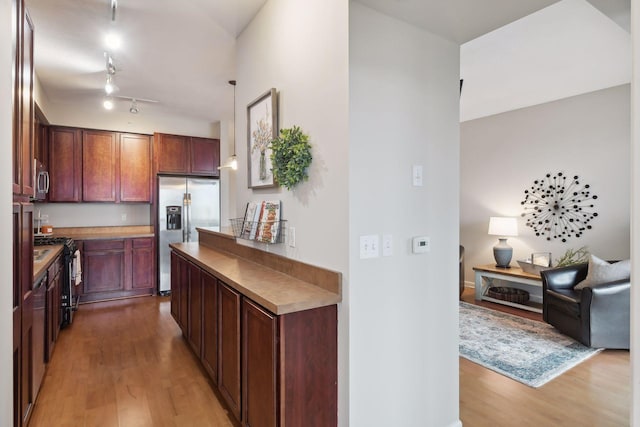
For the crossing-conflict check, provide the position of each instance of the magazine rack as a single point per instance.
(270, 232)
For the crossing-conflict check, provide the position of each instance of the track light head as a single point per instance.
(134, 107)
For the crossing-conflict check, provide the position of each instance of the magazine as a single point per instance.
(249, 215)
(269, 222)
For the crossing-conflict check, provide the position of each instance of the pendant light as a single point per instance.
(232, 162)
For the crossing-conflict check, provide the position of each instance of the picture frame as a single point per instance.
(262, 128)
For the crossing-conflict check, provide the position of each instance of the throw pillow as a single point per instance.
(600, 272)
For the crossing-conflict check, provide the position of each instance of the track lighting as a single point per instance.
(111, 67)
(114, 6)
(232, 162)
(108, 103)
(109, 87)
(134, 107)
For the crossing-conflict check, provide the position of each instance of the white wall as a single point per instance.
(300, 48)
(501, 156)
(6, 228)
(403, 309)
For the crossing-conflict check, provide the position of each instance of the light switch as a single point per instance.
(417, 175)
(387, 245)
(369, 246)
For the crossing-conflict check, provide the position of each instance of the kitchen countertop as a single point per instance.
(40, 266)
(277, 292)
(98, 233)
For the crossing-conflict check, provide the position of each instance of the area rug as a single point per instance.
(527, 351)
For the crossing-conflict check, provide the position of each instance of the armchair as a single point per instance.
(596, 316)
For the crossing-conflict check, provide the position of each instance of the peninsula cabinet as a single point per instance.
(117, 268)
(271, 370)
(187, 155)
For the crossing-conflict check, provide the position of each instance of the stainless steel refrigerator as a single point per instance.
(184, 204)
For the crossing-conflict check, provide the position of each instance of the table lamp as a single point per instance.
(503, 227)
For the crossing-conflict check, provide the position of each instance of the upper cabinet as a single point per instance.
(99, 166)
(23, 105)
(186, 155)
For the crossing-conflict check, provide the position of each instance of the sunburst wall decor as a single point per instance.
(558, 207)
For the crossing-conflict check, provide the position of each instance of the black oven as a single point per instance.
(69, 295)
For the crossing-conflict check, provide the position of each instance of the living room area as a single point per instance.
(545, 106)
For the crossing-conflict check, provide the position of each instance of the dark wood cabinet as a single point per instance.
(53, 311)
(210, 325)
(103, 266)
(100, 166)
(229, 347)
(194, 335)
(136, 172)
(186, 155)
(117, 268)
(23, 103)
(17, 315)
(259, 366)
(65, 164)
(271, 370)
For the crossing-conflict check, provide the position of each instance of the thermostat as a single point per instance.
(421, 244)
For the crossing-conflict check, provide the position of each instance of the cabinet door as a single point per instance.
(259, 366)
(103, 266)
(172, 153)
(210, 325)
(183, 319)
(27, 115)
(65, 164)
(175, 286)
(99, 166)
(17, 316)
(142, 264)
(229, 350)
(135, 168)
(16, 100)
(195, 309)
(205, 156)
(52, 313)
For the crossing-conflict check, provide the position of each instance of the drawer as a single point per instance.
(145, 242)
(102, 245)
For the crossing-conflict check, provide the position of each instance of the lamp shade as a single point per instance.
(503, 226)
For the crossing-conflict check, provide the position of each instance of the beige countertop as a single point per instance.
(40, 264)
(277, 292)
(97, 233)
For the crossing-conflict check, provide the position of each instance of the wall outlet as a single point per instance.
(292, 237)
(387, 245)
(124, 217)
(416, 173)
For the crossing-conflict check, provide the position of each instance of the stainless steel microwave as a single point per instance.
(40, 180)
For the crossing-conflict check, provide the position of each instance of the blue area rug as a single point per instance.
(527, 351)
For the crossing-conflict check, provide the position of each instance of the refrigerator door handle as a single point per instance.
(185, 213)
(188, 217)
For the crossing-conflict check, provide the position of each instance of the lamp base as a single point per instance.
(502, 253)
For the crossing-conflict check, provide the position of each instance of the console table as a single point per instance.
(489, 275)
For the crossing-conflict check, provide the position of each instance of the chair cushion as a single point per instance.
(601, 272)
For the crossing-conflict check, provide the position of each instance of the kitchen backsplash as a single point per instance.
(94, 214)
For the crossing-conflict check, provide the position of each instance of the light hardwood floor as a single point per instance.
(595, 393)
(125, 364)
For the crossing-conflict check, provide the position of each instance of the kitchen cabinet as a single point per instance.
(229, 347)
(100, 164)
(117, 268)
(65, 164)
(17, 314)
(88, 165)
(38, 336)
(27, 393)
(53, 301)
(136, 172)
(186, 155)
(23, 104)
(259, 365)
(271, 370)
(194, 335)
(210, 325)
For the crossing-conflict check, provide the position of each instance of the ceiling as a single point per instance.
(182, 54)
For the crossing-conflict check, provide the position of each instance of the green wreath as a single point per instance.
(290, 157)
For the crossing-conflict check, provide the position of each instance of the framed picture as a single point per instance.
(262, 128)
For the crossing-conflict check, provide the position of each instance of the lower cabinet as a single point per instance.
(53, 301)
(117, 268)
(271, 370)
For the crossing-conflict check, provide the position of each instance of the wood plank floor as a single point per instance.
(594, 393)
(125, 364)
